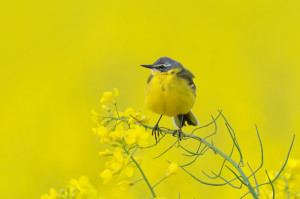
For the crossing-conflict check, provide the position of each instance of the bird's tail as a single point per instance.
(190, 118)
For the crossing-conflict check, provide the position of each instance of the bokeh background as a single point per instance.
(57, 57)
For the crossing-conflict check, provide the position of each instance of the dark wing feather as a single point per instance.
(187, 75)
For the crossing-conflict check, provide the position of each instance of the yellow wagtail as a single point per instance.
(172, 92)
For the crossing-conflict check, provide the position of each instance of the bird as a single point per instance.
(171, 91)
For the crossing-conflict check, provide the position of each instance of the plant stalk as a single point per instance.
(229, 159)
(209, 145)
(142, 172)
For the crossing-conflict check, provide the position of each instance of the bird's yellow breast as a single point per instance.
(169, 95)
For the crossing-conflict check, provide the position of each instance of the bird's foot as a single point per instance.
(179, 133)
(156, 131)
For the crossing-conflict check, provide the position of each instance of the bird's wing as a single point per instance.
(188, 75)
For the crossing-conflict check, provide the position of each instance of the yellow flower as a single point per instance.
(129, 170)
(103, 122)
(124, 185)
(107, 96)
(118, 155)
(138, 135)
(138, 117)
(117, 162)
(128, 112)
(85, 189)
(105, 108)
(76, 189)
(95, 117)
(110, 96)
(172, 169)
(53, 195)
(105, 153)
(118, 133)
(116, 92)
(288, 178)
(107, 176)
(115, 165)
(102, 132)
(293, 165)
(118, 114)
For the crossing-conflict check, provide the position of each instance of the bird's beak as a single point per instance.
(147, 66)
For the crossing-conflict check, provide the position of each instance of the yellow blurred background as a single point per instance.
(57, 57)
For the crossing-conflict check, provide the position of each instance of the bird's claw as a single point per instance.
(156, 131)
(179, 133)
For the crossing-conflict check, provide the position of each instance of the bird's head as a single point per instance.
(164, 64)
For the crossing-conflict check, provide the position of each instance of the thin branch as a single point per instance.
(235, 142)
(159, 182)
(138, 180)
(273, 190)
(262, 153)
(236, 175)
(229, 159)
(142, 172)
(222, 166)
(206, 183)
(201, 153)
(215, 132)
(229, 183)
(195, 157)
(190, 151)
(159, 139)
(166, 150)
(207, 124)
(278, 174)
(257, 189)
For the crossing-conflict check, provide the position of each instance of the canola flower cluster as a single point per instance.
(76, 189)
(287, 185)
(123, 133)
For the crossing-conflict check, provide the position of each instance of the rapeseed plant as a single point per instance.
(125, 133)
(288, 184)
(76, 189)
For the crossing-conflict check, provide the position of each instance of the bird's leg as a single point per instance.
(156, 130)
(179, 131)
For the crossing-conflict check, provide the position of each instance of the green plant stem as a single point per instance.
(142, 172)
(117, 109)
(209, 145)
(278, 174)
(144, 176)
(138, 180)
(230, 160)
(273, 190)
(159, 181)
(257, 188)
(287, 188)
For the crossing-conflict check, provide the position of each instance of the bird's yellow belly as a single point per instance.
(169, 95)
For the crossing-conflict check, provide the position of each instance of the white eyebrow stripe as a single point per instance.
(165, 65)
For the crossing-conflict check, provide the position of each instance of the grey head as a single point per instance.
(164, 64)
